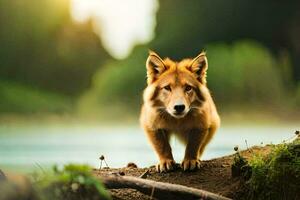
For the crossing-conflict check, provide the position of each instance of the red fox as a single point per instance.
(177, 101)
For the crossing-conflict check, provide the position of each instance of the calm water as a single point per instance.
(23, 148)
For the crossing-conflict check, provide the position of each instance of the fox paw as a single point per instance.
(165, 165)
(190, 165)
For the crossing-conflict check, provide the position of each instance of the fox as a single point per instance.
(177, 101)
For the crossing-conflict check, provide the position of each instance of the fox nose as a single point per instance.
(179, 108)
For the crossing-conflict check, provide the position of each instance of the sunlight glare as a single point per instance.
(121, 24)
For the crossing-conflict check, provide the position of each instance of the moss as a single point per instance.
(240, 167)
(275, 175)
(70, 183)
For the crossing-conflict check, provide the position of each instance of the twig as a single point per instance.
(102, 158)
(152, 193)
(162, 190)
(41, 168)
(106, 163)
(297, 134)
(250, 150)
(145, 174)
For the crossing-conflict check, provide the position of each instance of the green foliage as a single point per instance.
(23, 99)
(277, 175)
(240, 166)
(237, 75)
(42, 46)
(297, 98)
(185, 27)
(245, 72)
(117, 87)
(74, 182)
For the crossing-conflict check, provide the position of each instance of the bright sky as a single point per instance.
(121, 24)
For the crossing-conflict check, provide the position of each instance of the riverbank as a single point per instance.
(259, 172)
(214, 176)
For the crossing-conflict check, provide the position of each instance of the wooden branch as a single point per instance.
(161, 190)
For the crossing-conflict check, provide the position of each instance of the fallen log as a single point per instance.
(158, 190)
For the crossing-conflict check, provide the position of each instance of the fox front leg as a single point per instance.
(194, 139)
(160, 141)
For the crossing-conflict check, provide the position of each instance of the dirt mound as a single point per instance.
(213, 176)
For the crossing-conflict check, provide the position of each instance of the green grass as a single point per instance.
(18, 98)
(275, 175)
(73, 182)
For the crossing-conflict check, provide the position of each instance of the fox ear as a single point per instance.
(199, 67)
(155, 67)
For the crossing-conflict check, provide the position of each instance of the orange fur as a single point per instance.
(169, 84)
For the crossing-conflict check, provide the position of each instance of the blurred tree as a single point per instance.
(244, 80)
(244, 74)
(241, 72)
(186, 27)
(117, 87)
(41, 46)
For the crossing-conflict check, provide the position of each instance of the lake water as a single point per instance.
(25, 148)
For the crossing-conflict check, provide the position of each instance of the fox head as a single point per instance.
(176, 88)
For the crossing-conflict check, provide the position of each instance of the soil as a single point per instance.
(213, 176)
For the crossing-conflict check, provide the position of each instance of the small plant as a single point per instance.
(240, 166)
(276, 175)
(70, 183)
(102, 158)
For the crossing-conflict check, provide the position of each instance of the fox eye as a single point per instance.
(168, 88)
(188, 88)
